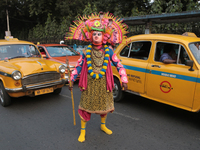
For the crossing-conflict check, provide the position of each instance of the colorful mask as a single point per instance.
(97, 38)
(112, 29)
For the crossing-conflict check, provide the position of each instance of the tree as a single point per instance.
(26, 16)
(19, 19)
(171, 6)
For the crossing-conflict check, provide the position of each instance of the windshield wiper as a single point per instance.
(32, 56)
(16, 57)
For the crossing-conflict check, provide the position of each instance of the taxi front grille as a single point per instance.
(40, 78)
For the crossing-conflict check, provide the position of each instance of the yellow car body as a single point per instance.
(176, 84)
(23, 71)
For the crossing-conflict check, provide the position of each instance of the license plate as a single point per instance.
(44, 91)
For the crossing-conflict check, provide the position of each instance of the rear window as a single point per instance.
(195, 49)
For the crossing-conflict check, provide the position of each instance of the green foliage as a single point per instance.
(192, 5)
(64, 25)
(36, 32)
(89, 9)
(51, 27)
(174, 6)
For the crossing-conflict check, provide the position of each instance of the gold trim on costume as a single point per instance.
(97, 112)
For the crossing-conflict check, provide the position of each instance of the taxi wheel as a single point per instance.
(57, 91)
(5, 99)
(117, 91)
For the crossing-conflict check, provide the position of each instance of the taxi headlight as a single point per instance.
(62, 68)
(16, 75)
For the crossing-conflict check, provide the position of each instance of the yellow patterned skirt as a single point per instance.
(96, 99)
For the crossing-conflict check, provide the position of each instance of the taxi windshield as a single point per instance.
(195, 48)
(18, 51)
(59, 51)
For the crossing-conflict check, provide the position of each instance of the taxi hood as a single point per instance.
(72, 60)
(29, 66)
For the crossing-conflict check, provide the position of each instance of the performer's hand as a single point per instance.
(124, 86)
(71, 87)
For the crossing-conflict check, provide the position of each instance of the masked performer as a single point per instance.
(96, 79)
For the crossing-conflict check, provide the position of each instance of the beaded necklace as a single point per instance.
(89, 65)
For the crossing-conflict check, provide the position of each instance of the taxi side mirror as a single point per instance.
(190, 63)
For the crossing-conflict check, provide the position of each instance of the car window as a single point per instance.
(17, 51)
(163, 48)
(194, 47)
(42, 51)
(31, 50)
(183, 56)
(116, 45)
(171, 51)
(140, 50)
(125, 51)
(59, 51)
(80, 49)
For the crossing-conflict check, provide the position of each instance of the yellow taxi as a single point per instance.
(23, 71)
(175, 82)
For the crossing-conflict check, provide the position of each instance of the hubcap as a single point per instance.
(115, 90)
(1, 96)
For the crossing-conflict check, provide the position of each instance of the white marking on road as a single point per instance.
(125, 116)
(66, 96)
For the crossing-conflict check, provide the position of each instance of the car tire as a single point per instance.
(5, 99)
(57, 91)
(117, 91)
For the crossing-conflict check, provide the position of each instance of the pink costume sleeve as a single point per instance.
(120, 68)
(76, 71)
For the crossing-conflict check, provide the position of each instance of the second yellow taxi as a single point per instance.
(162, 67)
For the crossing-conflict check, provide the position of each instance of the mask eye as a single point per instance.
(99, 34)
(94, 34)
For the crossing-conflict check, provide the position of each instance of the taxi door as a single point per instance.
(134, 58)
(171, 83)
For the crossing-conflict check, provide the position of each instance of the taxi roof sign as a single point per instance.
(189, 34)
(10, 38)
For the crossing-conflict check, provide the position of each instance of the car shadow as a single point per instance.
(31, 101)
(161, 110)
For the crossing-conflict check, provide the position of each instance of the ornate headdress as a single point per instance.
(112, 28)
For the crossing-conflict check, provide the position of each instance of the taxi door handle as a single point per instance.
(155, 66)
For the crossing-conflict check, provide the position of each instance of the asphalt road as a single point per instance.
(46, 123)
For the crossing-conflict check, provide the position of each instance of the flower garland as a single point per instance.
(105, 64)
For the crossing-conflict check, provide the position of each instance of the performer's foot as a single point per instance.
(82, 136)
(105, 129)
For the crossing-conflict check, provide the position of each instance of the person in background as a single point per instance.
(197, 45)
(168, 54)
